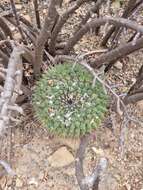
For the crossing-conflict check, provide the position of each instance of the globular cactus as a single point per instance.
(66, 103)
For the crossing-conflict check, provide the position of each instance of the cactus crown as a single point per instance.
(66, 103)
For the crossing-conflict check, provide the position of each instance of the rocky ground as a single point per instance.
(45, 162)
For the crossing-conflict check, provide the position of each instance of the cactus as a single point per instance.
(65, 102)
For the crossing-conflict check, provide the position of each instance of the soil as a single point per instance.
(32, 152)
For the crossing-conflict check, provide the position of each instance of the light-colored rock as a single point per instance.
(133, 80)
(72, 143)
(119, 65)
(19, 182)
(18, 6)
(99, 151)
(27, 17)
(60, 158)
(33, 181)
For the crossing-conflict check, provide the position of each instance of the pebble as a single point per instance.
(33, 181)
(19, 182)
(119, 65)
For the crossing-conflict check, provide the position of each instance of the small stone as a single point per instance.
(27, 17)
(119, 65)
(72, 143)
(99, 152)
(61, 157)
(13, 28)
(18, 6)
(44, 11)
(19, 182)
(133, 80)
(32, 181)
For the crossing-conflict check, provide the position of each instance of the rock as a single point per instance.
(18, 6)
(27, 17)
(119, 65)
(99, 151)
(61, 157)
(32, 181)
(72, 143)
(19, 182)
(133, 80)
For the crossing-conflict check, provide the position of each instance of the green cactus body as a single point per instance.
(65, 102)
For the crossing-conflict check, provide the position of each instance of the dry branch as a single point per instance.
(136, 91)
(88, 15)
(117, 53)
(3, 58)
(79, 162)
(11, 88)
(35, 2)
(4, 26)
(96, 23)
(61, 21)
(17, 19)
(44, 36)
(92, 181)
(129, 10)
